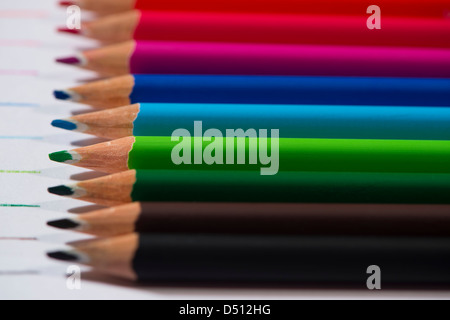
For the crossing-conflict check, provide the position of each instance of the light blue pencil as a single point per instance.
(293, 121)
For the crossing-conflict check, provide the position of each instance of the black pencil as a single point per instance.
(261, 259)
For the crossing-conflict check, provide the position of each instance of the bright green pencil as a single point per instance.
(151, 153)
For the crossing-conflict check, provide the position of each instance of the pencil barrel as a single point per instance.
(299, 187)
(165, 57)
(247, 154)
(299, 121)
(291, 259)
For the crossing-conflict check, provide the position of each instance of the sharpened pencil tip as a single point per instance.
(63, 256)
(66, 3)
(64, 224)
(61, 190)
(70, 61)
(62, 157)
(64, 124)
(71, 31)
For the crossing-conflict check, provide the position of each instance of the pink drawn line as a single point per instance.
(23, 14)
(32, 73)
(19, 43)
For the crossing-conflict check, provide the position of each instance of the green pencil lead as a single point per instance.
(69, 157)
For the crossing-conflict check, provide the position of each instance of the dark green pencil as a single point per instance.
(234, 186)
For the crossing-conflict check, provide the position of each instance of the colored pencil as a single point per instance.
(416, 8)
(293, 121)
(163, 57)
(281, 259)
(246, 186)
(125, 90)
(338, 155)
(266, 218)
(266, 28)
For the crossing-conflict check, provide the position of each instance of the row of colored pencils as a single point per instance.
(362, 143)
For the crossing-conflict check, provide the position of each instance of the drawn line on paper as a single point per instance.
(28, 14)
(19, 273)
(17, 171)
(8, 205)
(20, 138)
(30, 73)
(19, 43)
(17, 239)
(19, 104)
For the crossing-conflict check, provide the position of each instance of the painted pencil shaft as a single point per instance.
(258, 218)
(293, 121)
(165, 57)
(267, 28)
(414, 8)
(130, 89)
(244, 186)
(251, 154)
(278, 259)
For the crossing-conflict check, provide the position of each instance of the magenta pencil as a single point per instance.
(163, 57)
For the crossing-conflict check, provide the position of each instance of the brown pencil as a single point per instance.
(267, 218)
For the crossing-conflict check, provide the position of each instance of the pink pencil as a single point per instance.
(161, 57)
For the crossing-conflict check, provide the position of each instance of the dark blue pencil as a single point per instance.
(261, 90)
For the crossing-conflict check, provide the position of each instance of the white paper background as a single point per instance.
(28, 74)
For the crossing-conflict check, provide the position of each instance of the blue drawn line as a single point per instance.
(20, 138)
(19, 104)
(18, 205)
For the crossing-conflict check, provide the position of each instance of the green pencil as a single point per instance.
(337, 155)
(246, 186)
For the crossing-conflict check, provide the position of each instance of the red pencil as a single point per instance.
(268, 28)
(413, 8)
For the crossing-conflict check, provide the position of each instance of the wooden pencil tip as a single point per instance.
(71, 31)
(64, 256)
(64, 224)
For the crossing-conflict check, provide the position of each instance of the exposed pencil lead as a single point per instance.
(71, 31)
(61, 190)
(72, 191)
(66, 95)
(67, 3)
(64, 256)
(74, 60)
(64, 124)
(62, 95)
(68, 157)
(64, 224)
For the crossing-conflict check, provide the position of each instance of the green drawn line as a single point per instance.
(18, 171)
(19, 205)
